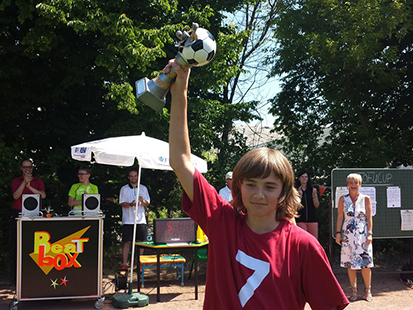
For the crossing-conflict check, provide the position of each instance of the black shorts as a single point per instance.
(141, 232)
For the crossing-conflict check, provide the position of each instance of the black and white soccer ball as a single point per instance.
(199, 49)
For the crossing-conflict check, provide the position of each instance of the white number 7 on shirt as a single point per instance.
(261, 270)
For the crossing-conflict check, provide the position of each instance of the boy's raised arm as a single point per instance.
(179, 145)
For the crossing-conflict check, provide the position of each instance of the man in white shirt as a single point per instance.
(127, 199)
(225, 192)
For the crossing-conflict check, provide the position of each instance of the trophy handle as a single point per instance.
(153, 92)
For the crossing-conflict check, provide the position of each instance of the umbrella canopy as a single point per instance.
(151, 153)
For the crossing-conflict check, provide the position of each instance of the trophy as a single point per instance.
(196, 48)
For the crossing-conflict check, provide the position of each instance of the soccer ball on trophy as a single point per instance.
(197, 47)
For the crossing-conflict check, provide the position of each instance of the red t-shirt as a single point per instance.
(35, 183)
(282, 269)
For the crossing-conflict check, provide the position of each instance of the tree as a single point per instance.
(346, 73)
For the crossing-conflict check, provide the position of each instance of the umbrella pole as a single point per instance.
(134, 232)
(130, 299)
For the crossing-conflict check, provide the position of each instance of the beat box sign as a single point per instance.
(60, 254)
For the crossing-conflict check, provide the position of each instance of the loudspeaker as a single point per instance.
(91, 204)
(31, 205)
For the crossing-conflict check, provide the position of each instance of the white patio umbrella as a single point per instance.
(150, 153)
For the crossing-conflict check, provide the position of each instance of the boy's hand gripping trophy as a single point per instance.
(197, 47)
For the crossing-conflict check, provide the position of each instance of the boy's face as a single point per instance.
(83, 176)
(260, 196)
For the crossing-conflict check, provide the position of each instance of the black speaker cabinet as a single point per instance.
(31, 205)
(91, 204)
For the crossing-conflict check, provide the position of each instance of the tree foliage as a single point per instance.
(346, 71)
(240, 73)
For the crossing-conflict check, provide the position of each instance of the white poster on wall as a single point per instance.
(407, 219)
(371, 192)
(340, 191)
(393, 197)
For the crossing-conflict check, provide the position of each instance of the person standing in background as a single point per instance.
(354, 232)
(26, 184)
(307, 219)
(225, 192)
(127, 200)
(78, 189)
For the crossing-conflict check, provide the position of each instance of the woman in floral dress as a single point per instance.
(355, 234)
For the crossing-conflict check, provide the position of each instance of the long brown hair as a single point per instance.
(260, 163)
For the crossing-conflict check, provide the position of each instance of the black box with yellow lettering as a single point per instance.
(59, 258)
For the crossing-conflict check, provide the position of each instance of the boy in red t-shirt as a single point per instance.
(257, 258)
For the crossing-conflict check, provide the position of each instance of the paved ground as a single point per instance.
(388, 293)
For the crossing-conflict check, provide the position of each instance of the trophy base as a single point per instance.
(143, 93)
